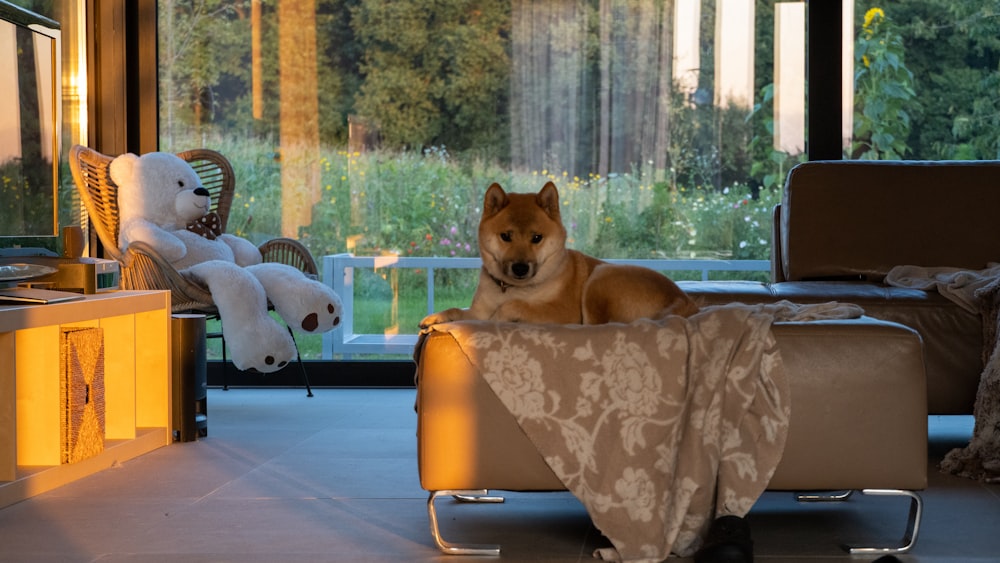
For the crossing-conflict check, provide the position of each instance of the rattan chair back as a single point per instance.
(141, 266)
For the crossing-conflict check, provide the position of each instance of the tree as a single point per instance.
(435, 73)
(956, 54)
(205, 44)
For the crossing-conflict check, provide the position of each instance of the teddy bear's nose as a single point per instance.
(201, 191)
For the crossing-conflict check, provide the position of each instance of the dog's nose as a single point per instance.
(520, 269)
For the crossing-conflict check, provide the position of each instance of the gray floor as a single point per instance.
(282, 477)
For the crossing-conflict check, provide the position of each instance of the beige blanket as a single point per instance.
(657, 427)
(977, 291)
(980, 459)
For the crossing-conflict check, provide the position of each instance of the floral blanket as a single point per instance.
(657, 427)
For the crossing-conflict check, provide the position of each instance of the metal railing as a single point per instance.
(338, 273)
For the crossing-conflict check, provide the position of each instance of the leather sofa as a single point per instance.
(843, 225)
(858, 421)
(861, 389)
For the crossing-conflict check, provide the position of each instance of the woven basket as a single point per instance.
(81, 366)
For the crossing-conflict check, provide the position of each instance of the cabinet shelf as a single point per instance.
(136, 326)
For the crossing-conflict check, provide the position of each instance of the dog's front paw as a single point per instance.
(445, 316)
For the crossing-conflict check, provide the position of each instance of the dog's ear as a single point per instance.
(548, 199)
(495, 200)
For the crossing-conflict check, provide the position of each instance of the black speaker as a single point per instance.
(189, 377)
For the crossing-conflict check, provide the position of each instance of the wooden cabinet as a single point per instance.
(136, 327)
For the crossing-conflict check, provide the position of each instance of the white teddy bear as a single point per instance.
(159, 196)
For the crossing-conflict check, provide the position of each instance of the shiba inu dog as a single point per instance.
(530, 276)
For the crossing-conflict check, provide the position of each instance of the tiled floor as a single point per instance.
(282, 477)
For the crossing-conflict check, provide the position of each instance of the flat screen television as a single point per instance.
(30, 123)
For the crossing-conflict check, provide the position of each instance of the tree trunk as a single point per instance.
(299, 105)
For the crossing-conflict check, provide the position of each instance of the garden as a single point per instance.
(428, 203)
(473, 93)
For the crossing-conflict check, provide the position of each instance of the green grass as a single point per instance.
(428, 204)
(384, 304)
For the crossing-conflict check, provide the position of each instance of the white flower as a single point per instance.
(520, 378)
(634, 382)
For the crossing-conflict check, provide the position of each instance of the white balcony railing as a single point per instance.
(338, 272)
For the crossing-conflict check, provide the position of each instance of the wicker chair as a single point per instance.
(141, 266)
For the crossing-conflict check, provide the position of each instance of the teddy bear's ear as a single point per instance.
(121, 168)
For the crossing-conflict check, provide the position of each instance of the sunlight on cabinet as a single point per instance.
(136, 328)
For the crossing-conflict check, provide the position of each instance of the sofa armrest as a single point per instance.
(777, 268)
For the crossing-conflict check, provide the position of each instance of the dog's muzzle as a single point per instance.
(520, 270)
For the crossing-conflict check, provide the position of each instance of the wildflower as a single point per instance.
(870, 16)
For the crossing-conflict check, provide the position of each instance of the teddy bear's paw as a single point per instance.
(327, 319)
(305, 304)
(264, 362)
(272, 361)
(267, 350)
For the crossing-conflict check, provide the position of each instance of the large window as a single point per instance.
(374, 126)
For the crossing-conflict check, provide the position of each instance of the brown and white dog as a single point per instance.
(530, 276)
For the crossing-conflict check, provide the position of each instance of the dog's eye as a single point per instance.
(535, 239)
(505, 237)
(180, 183)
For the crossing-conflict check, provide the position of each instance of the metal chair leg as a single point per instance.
(449, 548)
(912, 524)
(225, 365)
(829, 496)
(302, 365)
